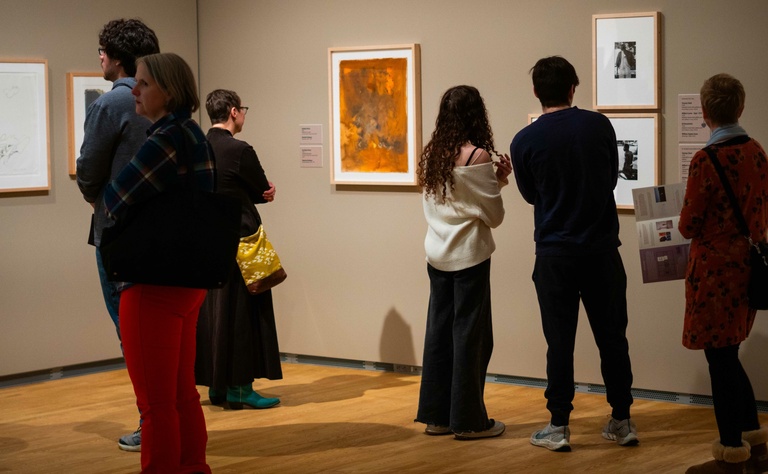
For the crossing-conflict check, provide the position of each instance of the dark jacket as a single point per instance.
(239, 174)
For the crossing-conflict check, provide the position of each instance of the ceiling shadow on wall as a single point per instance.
(396, 344)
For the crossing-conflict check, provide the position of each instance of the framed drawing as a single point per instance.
(25, 163)
(625, 61)
(82, 89)
(375, 96)
(532, 118)
(638, 145)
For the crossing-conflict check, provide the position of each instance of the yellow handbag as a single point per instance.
(259, 263)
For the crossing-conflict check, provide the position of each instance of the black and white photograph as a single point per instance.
(625, 61)
(637, 149)
(625, 66)
(627, 159)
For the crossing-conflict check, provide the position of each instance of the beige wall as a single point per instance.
(357, 285)
(51, 310)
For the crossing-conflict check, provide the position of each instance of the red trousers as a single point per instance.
(158, 325)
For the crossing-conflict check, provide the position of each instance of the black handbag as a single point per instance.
(757, 291)
(182, 237)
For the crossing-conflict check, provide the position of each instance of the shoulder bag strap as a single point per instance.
(744, 228)
(182, 158)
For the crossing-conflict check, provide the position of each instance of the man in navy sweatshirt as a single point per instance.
(566, 165)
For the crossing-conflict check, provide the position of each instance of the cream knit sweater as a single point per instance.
(459, 232)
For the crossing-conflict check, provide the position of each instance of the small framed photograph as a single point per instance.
(532, 118)
(25, 163)
(638, 145)
(625, 61)
(375, 98)
(82, 89)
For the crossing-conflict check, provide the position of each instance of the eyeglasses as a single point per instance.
(101, 51)
(244, 109)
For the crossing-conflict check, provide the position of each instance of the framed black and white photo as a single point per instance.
(625, 61)
(637, 144)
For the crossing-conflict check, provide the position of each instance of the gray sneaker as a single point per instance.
(437, 430)
(131, 441)
(623, 432)
(554, 438)
(497, 429)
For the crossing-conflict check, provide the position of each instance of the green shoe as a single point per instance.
(217, 397)
(239, 396)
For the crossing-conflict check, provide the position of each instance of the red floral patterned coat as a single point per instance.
(716, 310)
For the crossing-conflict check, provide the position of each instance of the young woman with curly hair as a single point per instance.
(462, 203)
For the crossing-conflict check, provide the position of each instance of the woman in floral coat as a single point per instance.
(717, 315)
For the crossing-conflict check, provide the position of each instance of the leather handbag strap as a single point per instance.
(743, 227)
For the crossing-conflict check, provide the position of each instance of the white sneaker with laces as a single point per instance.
(623, 432)
(554, 438)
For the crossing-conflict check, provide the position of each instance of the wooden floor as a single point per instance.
(339, 420)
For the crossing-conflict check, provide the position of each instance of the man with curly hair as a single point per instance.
(113, 134)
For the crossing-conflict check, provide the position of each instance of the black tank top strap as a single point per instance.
(469, 160)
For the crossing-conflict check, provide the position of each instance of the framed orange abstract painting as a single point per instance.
(375, 114)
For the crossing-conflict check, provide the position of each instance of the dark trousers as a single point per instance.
(600, 282)
(732, 395)
(457, 349)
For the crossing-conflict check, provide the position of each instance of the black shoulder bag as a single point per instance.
(182, 237)
(757, 291)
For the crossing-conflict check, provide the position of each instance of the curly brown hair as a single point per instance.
(462, 118)
(128, 40)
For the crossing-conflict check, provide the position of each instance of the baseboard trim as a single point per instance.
(116, 364)
(61, 372)
(639, 393)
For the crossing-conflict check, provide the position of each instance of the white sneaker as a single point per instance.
(497, 429)
(554, 438)
(623, 432)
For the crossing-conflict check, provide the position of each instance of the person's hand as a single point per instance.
(269, 194)
(503, 168)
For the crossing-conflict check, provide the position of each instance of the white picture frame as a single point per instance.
(24, 133)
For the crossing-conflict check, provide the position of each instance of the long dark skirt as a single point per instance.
(236, 337)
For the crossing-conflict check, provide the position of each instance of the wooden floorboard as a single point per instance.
(339, 420)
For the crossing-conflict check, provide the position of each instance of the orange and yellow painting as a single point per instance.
(373, 115)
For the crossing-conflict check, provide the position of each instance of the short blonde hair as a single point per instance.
(175, 77)
(722, 96)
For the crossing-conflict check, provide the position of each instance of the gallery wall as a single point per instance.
(357, 285)
(51, 309)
